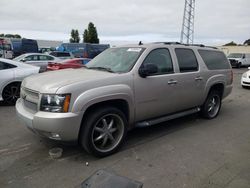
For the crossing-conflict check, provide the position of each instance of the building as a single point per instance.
(48, 43)
(235, 49)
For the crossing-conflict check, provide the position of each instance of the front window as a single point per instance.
(235, 55)
(118, 60)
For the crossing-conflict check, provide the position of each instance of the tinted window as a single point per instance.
(162, 59)
(45, 58)
(60, 54)
(214, 59)
(6, 66)
(31, 58)
(186, 60)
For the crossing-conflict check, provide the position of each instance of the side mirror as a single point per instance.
(147, 70)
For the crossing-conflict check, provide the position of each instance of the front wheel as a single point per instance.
(103, 131)
(212, 105)
(11, 93)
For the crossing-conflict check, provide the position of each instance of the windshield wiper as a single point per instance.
(102, 68)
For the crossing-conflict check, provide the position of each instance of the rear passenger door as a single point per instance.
(190, 82)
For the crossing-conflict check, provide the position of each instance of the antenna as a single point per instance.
(187, 31)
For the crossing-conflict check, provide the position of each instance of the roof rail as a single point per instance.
(167, 43)
(178, 43)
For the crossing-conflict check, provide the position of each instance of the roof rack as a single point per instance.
(178, 43)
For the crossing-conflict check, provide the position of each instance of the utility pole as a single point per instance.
(187, 31)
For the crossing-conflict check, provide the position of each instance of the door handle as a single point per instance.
(172, 82)
(199, 78)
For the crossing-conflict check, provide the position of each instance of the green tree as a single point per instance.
(85, 36)
(247, 42)
(90, 35)
(232, 43)
(75, 38)
(11, 35)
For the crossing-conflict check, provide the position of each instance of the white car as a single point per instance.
(11, 75)
(245, 79)
(37, 59)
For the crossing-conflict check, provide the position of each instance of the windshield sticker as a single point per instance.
(134, 50)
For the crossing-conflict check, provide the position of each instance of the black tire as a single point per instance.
(212, 105)
(103, 131)
(11, 93)
(239, 65)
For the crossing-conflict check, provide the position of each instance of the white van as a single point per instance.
(239, 59)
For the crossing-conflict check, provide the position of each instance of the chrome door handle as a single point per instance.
(199, 78)
(172, 82)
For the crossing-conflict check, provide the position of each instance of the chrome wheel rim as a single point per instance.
(107, 132)
(214, 106)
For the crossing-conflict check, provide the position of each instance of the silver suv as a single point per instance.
(122, 88)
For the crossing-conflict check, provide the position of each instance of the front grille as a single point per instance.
(30, 98)
(246, 83)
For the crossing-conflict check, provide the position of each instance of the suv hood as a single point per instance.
(50, 82)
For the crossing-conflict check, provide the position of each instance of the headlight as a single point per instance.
(244, 75)
(55, 103)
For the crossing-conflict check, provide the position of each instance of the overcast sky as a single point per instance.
(216, 21)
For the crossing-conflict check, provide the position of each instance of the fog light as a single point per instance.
(55, 136)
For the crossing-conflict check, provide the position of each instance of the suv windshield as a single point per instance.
(235, 55)
(118, 60)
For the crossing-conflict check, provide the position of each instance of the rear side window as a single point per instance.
(214, 59)
(6, 66)
(186, 59)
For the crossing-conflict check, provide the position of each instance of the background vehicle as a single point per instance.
(239, 59)
(245, 79)
(83, 50)
(46, 49)
(6, 48)
(22, 46)
(65, 64)
(62, 55)
(11, 75)
(37, 59)
(123, 87)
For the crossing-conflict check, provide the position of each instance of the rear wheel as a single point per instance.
(212, 105)
(11, 93)
(103, 131)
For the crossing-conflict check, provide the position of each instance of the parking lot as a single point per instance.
(187, 152)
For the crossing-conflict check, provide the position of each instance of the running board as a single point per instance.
(167, 118)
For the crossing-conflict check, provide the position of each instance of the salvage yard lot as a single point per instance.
(187, 152)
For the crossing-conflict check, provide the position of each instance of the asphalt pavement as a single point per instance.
(188, 152)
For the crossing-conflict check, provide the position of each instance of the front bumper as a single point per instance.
(245, 81)
(57, 126)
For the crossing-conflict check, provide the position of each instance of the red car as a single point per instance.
(65, 64)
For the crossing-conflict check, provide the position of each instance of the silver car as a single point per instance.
(37, 59)
(122, 88)
(11, 75)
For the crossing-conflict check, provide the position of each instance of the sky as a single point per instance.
(126, 21)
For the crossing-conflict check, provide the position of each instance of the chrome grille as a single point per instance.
(30, 98)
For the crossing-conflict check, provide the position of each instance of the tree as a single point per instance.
(75, 38)
(247, 42)
(232, 43)
(85, 36)
(90, 35)
(17, 36)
